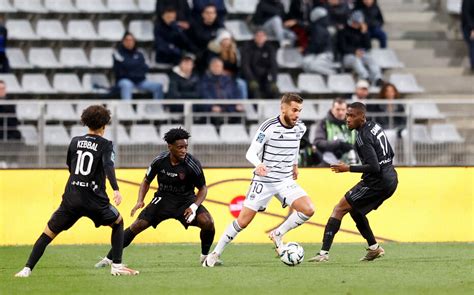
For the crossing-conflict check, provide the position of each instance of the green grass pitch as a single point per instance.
(444, 268)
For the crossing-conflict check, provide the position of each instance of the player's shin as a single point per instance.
(207, 237)
(128, 236)
(38, 250)
(229, 234)
(293, 221)
(117, 240)
(363, 226)
(332, 227)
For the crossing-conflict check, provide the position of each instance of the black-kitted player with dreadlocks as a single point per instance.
(178, 173)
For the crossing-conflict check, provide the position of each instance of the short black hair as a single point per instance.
(176, 134)
(358, 106)
(95, 117)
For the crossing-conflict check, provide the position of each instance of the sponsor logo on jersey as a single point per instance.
(80, 183)
(170, 174)
(375, 130)
(260, 137)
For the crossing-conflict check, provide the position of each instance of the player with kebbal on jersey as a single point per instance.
(274, 153)
(379, 182)
(177, 173)
(90, 159)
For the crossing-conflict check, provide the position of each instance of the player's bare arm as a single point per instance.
(143, 190)
(340, 167)
(295, 171)
(190, 213)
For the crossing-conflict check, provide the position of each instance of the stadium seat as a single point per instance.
(12, 84)
(92, 6)
(242, 6)
(153, 112)
(111, 30)
(43, 58)
(147, 6)
(7, 7)
(445, 133)
(420, 134)
(67, 83)
(36, 83)
(20, 29)
(312, 83)
(285, 83)
(454, 6)
(125, 112)
(323, 108)
(28, 134)
(271, 109)
(289, 58)
(28, 111)
(160, 78)
(312, 132)
(73, 58)
(122, 6)
(234, 133)
(56, 135)
(386, 58)
(60, 6)
(17, 59)
(144, 134)
(60, 112)
(309, 113)
(78, 130)
(122, 135)
(426, 111)
(341, 83)
(250, 112)
(239, 30)
(406, 83)
(101, 57)
(166, 127)
(30, 6)
(204, 134)
(95, 83)
(142, 30)
(82, 30)
(253, 130)
(81, 106)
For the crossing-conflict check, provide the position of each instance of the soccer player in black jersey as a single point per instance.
(379, 182)
(177, 173)
(90, 159)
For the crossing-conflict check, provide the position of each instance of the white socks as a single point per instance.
(229, 234)
(374, 247)
(294, 220)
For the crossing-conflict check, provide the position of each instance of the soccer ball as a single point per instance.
(292, 254)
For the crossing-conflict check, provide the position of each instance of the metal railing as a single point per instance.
(418, 141)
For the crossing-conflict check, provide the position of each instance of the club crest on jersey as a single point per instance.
(181, 175)
(260, 137)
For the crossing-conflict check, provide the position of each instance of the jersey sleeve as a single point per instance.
(152, 171)
(108, 159)
(256, 146)
(198, 173)
(367, 151)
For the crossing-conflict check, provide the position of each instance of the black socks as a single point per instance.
(38, 250)
(207, 237)
(363, 226)
(117, 242)
(128, 237)
(332, 227)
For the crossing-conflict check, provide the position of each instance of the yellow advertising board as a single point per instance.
(430, 205)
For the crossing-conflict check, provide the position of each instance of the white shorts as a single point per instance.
(260, 194)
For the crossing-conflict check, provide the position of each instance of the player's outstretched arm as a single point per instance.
(190, 213)
(144, 187)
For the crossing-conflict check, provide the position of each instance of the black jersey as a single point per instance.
(376, 155)
(176, 183)
(90, 158)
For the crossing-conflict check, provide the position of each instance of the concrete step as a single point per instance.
(452, 72)
(422, 58)
(437, 45)
(388, 6)
(395, 16)
(446, 84)
(417, 31)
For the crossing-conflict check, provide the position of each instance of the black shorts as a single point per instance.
(364, 198)
(78, 204)
(160, 209)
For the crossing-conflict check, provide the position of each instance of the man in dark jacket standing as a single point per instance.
(130, 70)
(333, 138)
(467, 21)
(260, 68)
(373, 17)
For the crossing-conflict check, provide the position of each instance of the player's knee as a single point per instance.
(308, 210)
(138, 226)
(206, 222)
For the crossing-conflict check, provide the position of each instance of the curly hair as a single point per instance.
(176, 134)
(95, 117)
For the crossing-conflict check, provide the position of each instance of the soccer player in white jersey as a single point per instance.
(274, 153)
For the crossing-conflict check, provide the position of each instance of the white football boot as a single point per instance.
(24, 273)
(319, 258)
(211, 260)
(219, 262)
(277, 239)
(119, 269)
(103, 263)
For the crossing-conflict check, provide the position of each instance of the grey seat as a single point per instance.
(28, 111)
(73, 58)
(91, 6)
(285, 83)
(51, 30)
(253, 130)
(78, 130)
(7, 7)
(289, 58)
(95, 83)
(101, 57)
(17, 59)
(144, 134)
(386, 58)
(341, 83)
(323, 108)
(161, 78)
(152, 112)
(121, 6)
(406, 83)
(309, 113)
(125, 112)
(166, 127)
(142, 30)
(454, 6)
(234, 134)
(67, 83)
(420, 134)
(60, 112)
(243, 6)
(250, 112)
(37, 83)
(111, 30)
(445, 133)
(28, 134)
(205, 134)
(43, 58)
(30, 6)
(56, 135)
(147, 6)
(20, 29)
(239, 30)
(312, 83)
(426, 111)
(82, 29)
(122, 135)
(60, 6)
(12, 84)
(271, 109)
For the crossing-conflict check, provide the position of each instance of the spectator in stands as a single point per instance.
(298, 20)
(8, 120)
(183, 80)
(130, 70)
(373, 17)
(4, 64)
(215, 85)
(269, 15)
(467, 21)
(183, 12)
(260, 68)
(339, 12)
(226, 49)
(319, 57)
(170, 40)
(200, 5)
(361, 92)
(205, 27)
(333, 138)
(394, 113)
(354, 43)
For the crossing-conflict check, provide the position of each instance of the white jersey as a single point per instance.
(277, 147)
